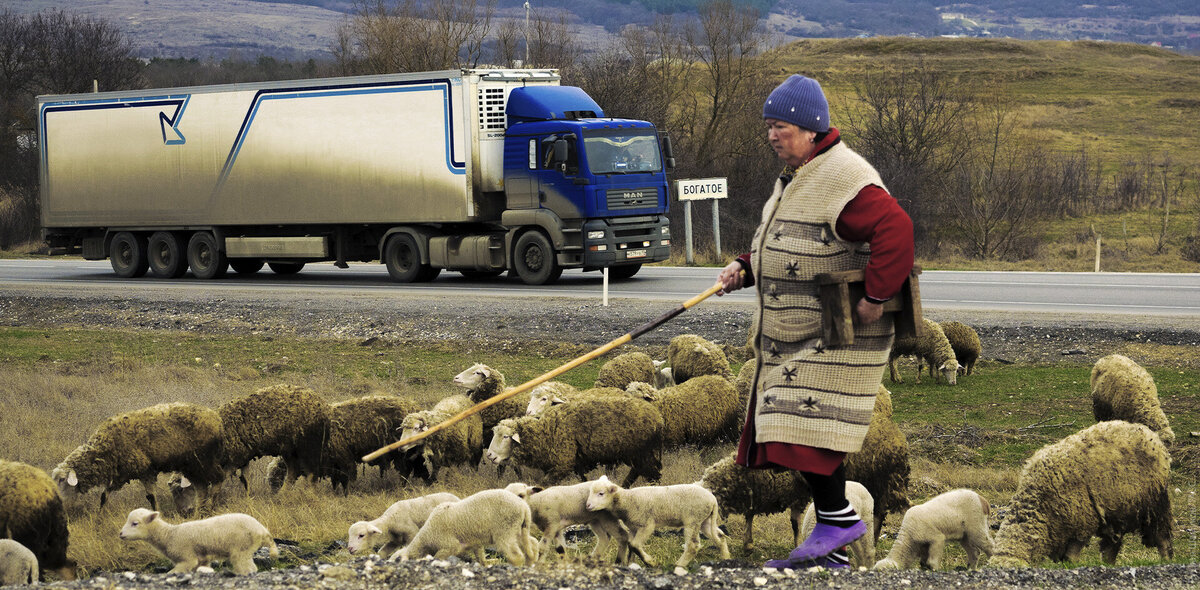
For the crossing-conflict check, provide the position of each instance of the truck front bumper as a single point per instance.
(619, 241)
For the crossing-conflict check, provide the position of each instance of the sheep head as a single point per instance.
(602, 494)
(540, 399)
(362, 534)
(475, 377)
(137, 525)
(413, 425)
(504, 436)
(949, 370)
(67, 482)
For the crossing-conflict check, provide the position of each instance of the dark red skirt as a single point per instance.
(766, 455)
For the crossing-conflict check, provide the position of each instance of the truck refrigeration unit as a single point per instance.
(476, 171)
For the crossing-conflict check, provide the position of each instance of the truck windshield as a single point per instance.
(619, 151)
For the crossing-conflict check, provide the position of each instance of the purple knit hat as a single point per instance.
(799, 101)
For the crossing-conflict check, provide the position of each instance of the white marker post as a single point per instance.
(698, 189)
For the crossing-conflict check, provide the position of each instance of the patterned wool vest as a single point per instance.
(807, 393)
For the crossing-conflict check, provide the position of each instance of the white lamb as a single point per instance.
(397, 526)
(491, 518)
(18, 565)
(862, 551)
(958, 515)
(234, 537)
(558, 507)
(643, 509)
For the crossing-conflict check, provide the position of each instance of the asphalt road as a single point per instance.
(1159, 294)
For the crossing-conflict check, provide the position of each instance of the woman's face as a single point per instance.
(791, 143)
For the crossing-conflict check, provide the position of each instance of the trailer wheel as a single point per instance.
(166, 255)
(625, 271)
(205, 256)
(285, 268)
(403, 259)
(127, 254)
(246, 266)
(534, 259)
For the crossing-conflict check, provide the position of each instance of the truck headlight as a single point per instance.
(666, 230)
(595, 235)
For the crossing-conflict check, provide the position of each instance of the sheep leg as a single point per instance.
(691, 545)
(933, 558)
(638, 543)
(895, 373)
(148, 487)
(748, 542)
(242, 563)
(709, 527)
(511, 550)
(1110, 546)
(186, 565)
(1072, 551)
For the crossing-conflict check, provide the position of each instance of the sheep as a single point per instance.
(460, 443)
(188, 545)
(690, 506)
(965, 342)
(31, 513)
(862, 551)
(143, 443)
(482, 383)
(397, 526)
(496, 518)
(1106, 480)
(555, 508)
(580, 436)
(932, 347)
(565, 394)
(958, 515)
(282, 420)
(881, 465)
(700, 410)
(624, 369)
(358, 426)
(1123, 390)
(692, 356)
(750, 492)
(18, 565)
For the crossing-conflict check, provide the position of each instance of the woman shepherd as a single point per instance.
(812, 403)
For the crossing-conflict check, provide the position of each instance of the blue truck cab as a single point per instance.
(596, 185)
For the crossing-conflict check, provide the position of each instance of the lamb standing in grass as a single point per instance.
(1105, 480)
(18, 565)
(1123, 390)
(461, 443)
(958, 515)
(491, 518)
(397, 526)
(647, 508)
(234, 537)
(31, 513)
(965, 342)
(142, 444)
(931, 347)
(555, 508)
(862, 551)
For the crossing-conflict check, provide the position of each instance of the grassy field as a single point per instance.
(57, 385)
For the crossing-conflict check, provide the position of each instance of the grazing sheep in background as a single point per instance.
(862, 551)
(933, 348)
(565, 394)
(644, 509)
(358, 426)
(234, 537)
(1123, 390)
(491, 518)
(461, 443)
(18, 565)
(751, 492)
(626, 368)
(397, 526)
(700, 410)
(580, 436)
(965, 342)
(1105, 480)
(142, 444)
(958, 515)
(881, 465)
(558, 507)
(282, 420)
(692, 356)
(483, 383)
(31, 513)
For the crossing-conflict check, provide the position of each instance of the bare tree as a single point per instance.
(551, 43)
(509, 36)
(409, 36)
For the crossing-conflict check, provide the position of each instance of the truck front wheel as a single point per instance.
(286, 268)
(403, 260)
(534, 259)
(166, 255)
(205, 256)
(625, 271)
(127, 253)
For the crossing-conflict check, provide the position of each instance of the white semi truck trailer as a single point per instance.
(476, 171)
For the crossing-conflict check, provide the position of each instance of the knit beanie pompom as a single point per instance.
(799, 101)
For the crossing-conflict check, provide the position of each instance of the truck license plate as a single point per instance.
(635, 254)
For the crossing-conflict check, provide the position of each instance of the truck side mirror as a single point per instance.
(668, 153)
(560, 153)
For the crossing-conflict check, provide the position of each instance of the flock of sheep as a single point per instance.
(635, 411)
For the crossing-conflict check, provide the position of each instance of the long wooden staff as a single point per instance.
(547, 376)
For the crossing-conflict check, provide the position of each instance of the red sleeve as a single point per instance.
(874, 216)
(748, 279)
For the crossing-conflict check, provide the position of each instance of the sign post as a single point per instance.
(697, 189)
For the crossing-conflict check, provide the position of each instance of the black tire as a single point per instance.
(481, 274)
(285, 268)
(403, 259)
(428, 273)
(166, 256)
(246, 266)
(127, 254)
(534, 259)
(205, 256)
(625, 271)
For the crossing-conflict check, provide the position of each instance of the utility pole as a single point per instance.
(526, 34)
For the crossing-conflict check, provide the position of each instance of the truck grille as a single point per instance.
(639, 198)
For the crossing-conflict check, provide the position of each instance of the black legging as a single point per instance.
(828, 491)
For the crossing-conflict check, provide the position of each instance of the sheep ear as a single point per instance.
(516, 438)
(603, 478)
(658, 364)
(557, 400)
(535, 489)
(184, 482)
(72, 479)
(150, 517)
(374, 530)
